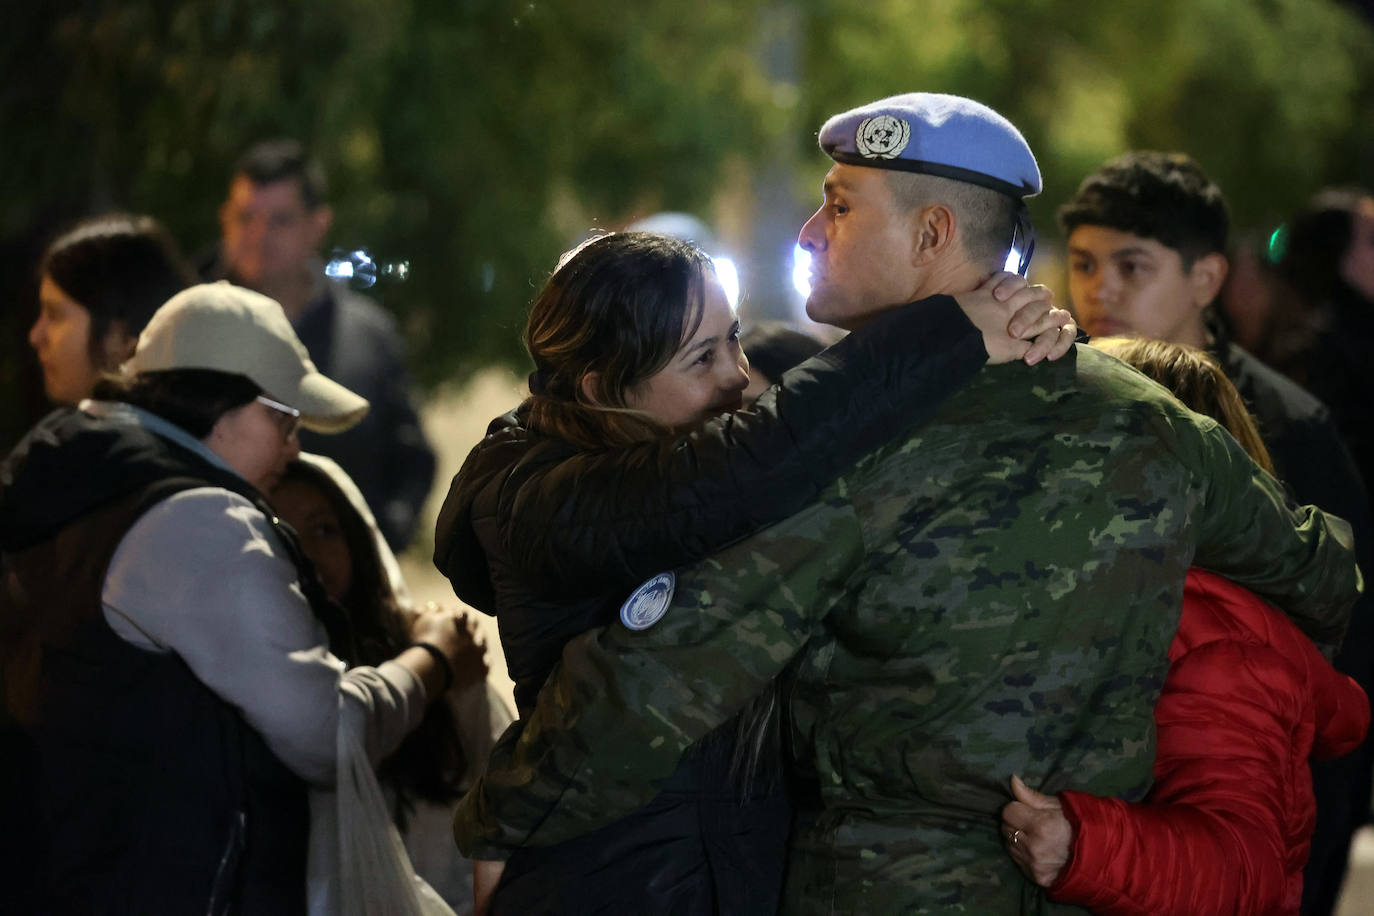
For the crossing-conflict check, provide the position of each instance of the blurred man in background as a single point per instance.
(272, 223)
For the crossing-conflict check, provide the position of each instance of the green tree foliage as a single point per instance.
(1273, 97)
(448, 129)
(478, 138)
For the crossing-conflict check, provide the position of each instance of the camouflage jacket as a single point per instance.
(995, 594)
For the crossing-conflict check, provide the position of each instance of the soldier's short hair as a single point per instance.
(987, 219)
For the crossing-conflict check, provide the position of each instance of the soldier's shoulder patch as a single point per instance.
(648, 603)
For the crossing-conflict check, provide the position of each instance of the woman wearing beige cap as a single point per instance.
(165, 646)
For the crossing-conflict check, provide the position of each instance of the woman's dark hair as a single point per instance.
(1314, 242)
(193, 399)
(619, 306)
(430, 762)
(120, 267)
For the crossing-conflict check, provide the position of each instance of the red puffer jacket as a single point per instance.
(1226, 828)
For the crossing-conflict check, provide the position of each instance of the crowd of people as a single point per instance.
(986, 608)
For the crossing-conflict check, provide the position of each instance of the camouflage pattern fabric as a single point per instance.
(993, 595)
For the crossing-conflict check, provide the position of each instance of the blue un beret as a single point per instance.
(945, 135)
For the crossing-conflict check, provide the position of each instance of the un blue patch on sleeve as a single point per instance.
(648, 603)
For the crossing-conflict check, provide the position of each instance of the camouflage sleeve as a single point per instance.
(621, 515)
(622, 705)
(1298, 557)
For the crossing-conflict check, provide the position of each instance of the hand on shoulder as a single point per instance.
(1018, 319)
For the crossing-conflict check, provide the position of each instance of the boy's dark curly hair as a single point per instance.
(1161, 196)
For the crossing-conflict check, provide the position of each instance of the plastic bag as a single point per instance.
(368, 873)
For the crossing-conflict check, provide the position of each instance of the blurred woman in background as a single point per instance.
(99, 283)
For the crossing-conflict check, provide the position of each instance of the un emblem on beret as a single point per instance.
(648, 603)
(882, 137)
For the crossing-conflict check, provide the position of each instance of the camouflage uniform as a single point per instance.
(993, 595)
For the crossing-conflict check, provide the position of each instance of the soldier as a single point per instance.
(994, 594)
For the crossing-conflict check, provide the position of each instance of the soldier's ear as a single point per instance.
(932, 233)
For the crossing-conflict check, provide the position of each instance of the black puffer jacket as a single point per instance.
(550, 539)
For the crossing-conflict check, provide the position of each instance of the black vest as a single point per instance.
(152, 794)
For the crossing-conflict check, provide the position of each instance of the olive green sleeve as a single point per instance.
(622, 705)
(1299, 558)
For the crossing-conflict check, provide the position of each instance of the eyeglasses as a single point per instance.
(289, 417)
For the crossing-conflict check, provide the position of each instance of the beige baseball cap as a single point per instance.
(232, 329)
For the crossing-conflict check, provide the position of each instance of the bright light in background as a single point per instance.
(801, 270)
(339, 269)
(362, 271)
(728, 275)
(1278, 244)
